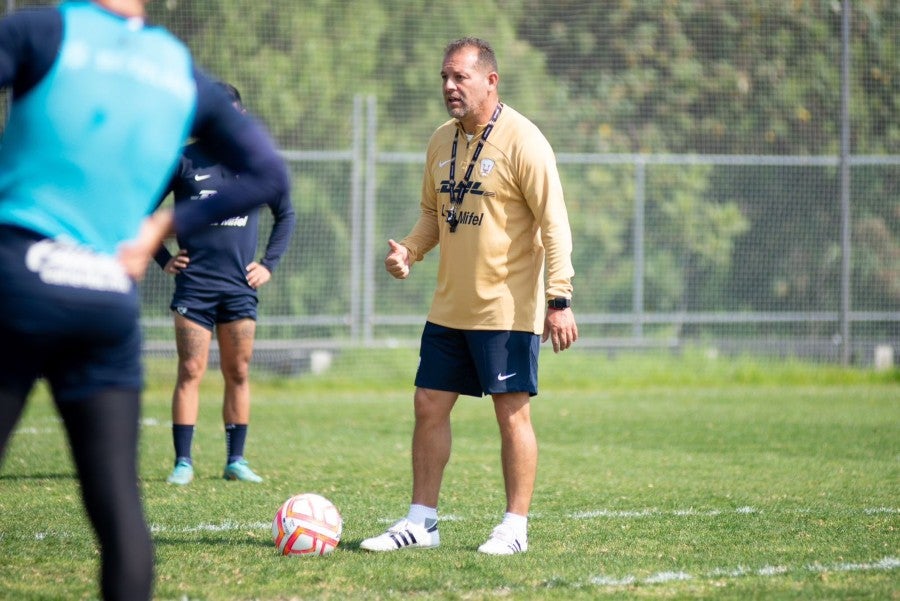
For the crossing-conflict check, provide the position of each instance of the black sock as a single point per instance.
(182, 437)
(235, 436)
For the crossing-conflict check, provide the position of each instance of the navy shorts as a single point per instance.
(68, 315)
(478, 362)
(209, 307)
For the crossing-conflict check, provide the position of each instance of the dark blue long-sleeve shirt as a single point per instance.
(220, 252)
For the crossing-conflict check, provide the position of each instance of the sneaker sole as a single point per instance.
(233, 478)
(179, 481)
(413, 546)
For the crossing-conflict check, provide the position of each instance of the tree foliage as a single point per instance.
(755, 77)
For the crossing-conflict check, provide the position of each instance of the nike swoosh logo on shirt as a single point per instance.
(501, 376)
(442, 163)
(200, 178)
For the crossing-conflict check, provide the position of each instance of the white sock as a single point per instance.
(519, 524)
(422, 515)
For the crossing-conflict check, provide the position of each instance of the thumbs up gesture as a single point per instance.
(397, 260)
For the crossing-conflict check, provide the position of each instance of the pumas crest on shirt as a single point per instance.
(487, 165)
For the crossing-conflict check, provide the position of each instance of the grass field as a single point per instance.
(660, 477)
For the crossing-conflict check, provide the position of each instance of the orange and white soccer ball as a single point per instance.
(307, 524)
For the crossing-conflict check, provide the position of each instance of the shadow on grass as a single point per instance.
(45, 476)
(351, 546)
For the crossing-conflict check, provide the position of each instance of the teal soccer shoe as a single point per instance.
(182, 474)
(240, 470)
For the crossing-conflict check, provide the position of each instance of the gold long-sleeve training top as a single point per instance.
(491, 270)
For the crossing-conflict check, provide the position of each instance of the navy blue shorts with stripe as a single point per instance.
(209, 307)
(478, 362)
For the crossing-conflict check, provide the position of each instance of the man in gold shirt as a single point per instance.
(492, 199)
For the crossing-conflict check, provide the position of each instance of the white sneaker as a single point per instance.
(503, 541)
(403, 535)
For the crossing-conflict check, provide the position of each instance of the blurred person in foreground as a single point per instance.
(101, 106)
(216, 278)
(493, 201)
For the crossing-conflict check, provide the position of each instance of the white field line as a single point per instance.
(149, 422)
(228, 526)
(222, 527)
(883, 564)
(887, 563)
(875, 510)
(644, 513)
(33, 430)
(691, 512)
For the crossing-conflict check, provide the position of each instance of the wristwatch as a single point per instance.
(559, 303)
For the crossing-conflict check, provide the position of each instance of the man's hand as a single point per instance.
(176, 264)
(257, 275)
(397, 260)
(560, 328)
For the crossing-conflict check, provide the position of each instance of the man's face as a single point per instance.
(466, 87)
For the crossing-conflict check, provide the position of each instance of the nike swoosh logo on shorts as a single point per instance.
(501, 376)
(200, 178)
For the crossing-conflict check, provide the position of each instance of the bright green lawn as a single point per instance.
(660, 477)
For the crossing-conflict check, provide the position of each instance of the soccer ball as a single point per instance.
(307, 524)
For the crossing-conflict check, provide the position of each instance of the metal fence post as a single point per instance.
(637, 300)
(357, 256)
(845, 184)
(371, 187)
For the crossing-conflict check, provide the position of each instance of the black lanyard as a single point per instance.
(457, 193)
